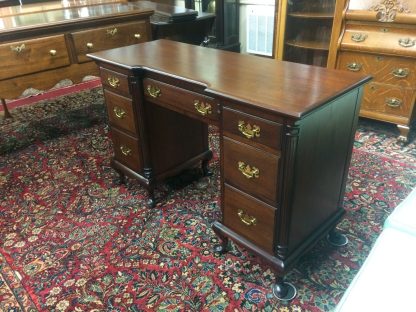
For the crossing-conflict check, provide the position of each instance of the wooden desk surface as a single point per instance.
(287, 88)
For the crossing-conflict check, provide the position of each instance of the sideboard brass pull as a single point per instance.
(400, 72)
(125, 150)
(111, 32)
(202, 108)
(113, 81)
(355, 67)
(119, 112)
(393, 102)
(406, 42)
(18, 49)
(137, 36)
(153, 91)
(358, 37)
(90, 45)
(52, 52)
(245, 218)
(248, 130)
(248, 171)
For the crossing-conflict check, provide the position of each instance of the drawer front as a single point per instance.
(183, 101)
(385, 69)
(251, 170)
(117, 82)
(109, 37)
(120, 111)
(388, 99)
(251, 130)
(249, 217)
(31, 56)
(126, 150)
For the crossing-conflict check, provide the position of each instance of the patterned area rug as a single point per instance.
(73, 239)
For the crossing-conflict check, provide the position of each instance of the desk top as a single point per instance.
(287, 88)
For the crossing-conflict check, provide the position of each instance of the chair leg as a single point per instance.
(6, 110)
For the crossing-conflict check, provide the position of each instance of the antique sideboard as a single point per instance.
(286, 133)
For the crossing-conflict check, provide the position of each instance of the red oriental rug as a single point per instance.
(73, 239)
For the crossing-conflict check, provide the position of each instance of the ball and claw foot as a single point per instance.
(284, 291)
(337, 239)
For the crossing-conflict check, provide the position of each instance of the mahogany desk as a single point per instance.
(286, 134)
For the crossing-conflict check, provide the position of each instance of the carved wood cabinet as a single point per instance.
(379, 38)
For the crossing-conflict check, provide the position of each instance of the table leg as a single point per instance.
(6, 110)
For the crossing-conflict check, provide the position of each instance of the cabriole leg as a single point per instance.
(404, 133)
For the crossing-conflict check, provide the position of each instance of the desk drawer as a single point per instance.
(249, 217)
(120, 111)
(183, 101)
(109, 37)
(31, 56)
(117, 82)
(126, 150)
(251, 170)
(251, 129)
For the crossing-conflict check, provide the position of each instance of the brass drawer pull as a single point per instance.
(400, 72)
(355, 67)
(52, 52)
(393, 102)
(248, 130)
(137, 36)
(113, 81)
(111, 32)
(18, 49)
(119, 112)
(125, 150)
(245, 218)
(153, 91)
(248, 171)
(358, 37)
(90, 45)
(202, 108)
(406, 42)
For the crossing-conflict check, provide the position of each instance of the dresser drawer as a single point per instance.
(251, 170)
(251, 130)
(183, 101)
(126, 150)
(31, 56)
(104, 38)
(117, 82)
(249, 217)
(388, 99)
(385, 69)
(120, 111)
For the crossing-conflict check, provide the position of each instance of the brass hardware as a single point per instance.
(137, 36)
(113, 81)
(119, 112)
(406, 42)
(248, 171)
(111, 32)
(18, 49)
(153, 91)
(393, 102)
(52, 52)
(248, 130)
(400, 72)
(90, 45)
(355, 67)
(245, 218)
(125, 150)
(358, 37)
(202, 108)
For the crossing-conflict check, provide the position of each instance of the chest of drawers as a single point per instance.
(284, 153)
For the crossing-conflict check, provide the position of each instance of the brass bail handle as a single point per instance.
(202, 108)
(112, 32)
(113, 81)
(248, 171)
(153, 91)
(358, 37)
(354, 66)
(18, 49)
(245, 218)
(119, 112)
(406, 42)
(248, 130)
(125, 150)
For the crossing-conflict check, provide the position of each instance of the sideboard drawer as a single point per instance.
(120, 111)
(251, 129)
(249, 217)
(251, 170)
(115, 81)
(104, 38)
(388, 99)
(34, 55)
(187, 102)
(126, 150)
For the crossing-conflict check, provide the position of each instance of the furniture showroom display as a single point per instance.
(286, 133)
(378, 37)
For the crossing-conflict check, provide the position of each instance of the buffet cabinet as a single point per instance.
(379, 39)
(283, 170)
